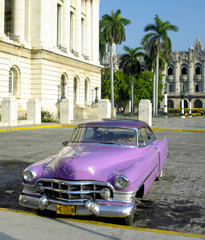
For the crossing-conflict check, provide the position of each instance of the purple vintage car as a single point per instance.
(102, 170)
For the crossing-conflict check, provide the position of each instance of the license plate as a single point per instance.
(65, 209)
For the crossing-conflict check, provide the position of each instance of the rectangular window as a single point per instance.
(8, 17)
(82, 36)
(59, 29)
(71, 30)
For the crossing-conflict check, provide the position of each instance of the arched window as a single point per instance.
(170, 88)
(170, 104)
(184, 71)
(14, 81)
(63, 86)
(170, 71)
(198, 70)
(198, 104)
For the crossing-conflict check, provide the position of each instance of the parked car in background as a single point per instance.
(101, 171)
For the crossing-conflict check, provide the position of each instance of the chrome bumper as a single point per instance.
(90, 207)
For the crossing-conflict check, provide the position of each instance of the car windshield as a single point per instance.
(104, 135)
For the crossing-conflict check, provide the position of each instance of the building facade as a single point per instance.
(49, 49)
(186, 76)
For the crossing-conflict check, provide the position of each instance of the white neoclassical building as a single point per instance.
(49, 49)
(186, 74)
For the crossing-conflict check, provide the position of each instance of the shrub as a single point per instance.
(46, 116)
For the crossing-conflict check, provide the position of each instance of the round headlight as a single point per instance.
(121, 182)
(105, 193)
(29, 175)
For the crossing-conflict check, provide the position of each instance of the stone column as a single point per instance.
(2, 2)
(203, 77)
(88, 29)
(78, 27)
(66, 111)
(66, 23)
(95, 30)
(34, 110)
(191, 77)
(19, 19)
(104, 109)
(145, 111)
(176, 77)
(9, 111)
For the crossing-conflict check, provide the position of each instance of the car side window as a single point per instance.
(150, 134)
(142, 139)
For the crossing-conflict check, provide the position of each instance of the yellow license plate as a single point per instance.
(65, 209)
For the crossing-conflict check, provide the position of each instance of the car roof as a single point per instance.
(129, 123)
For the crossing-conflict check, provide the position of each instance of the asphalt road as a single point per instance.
(175, 203)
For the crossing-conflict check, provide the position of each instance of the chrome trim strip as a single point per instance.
(104, 210)
(159, 158)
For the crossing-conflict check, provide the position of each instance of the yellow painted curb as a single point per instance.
(63, 125)
(35, 127)
(177, 130)
(110, 224)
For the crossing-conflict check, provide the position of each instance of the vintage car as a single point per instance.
(102, 170)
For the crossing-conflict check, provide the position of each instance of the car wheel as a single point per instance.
(129, 220)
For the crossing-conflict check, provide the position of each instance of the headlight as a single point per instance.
(29, 175)
(121, 182)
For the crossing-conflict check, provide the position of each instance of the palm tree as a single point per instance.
(102, 44)
(154, 43)
(130, 64)
(113, 30)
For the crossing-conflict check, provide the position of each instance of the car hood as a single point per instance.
(90, 162)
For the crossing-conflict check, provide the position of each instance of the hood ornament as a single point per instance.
(69, 175)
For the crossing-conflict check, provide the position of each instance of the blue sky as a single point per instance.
(188, 15)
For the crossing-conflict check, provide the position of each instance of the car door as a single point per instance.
(147, 141)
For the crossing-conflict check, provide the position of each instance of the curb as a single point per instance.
(64, 125)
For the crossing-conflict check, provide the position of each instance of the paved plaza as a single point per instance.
(175, 204)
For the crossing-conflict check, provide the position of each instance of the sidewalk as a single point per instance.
(172, 124)
(21, 225)
(177, 123)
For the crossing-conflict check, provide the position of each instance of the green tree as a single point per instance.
(130, 64)
(121, 87)
(143, 85)
(155, 42)
(113, 30)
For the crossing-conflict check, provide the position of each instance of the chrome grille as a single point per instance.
(72, 190)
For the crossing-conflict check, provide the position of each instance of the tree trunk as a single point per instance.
(154, 99)
(111, 78)
(157, 80)
(132, 95)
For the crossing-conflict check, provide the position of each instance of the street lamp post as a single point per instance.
(165, 100)
(190, 98)
(182, 105)
(96, 98)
